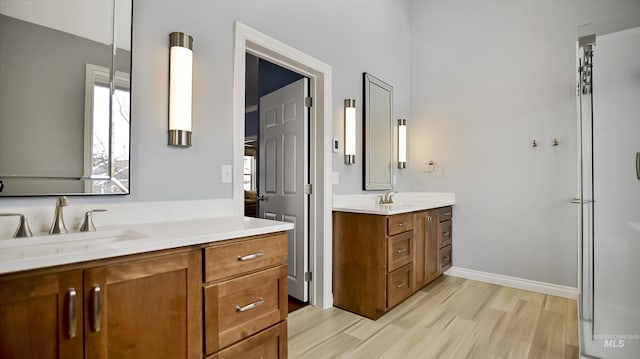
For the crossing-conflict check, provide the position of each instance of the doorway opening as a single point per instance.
(248, 40)
(276, 158)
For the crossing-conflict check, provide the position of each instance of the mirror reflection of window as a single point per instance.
(106, 139)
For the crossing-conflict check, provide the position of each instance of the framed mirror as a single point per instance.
(65, 97)
(378, 134)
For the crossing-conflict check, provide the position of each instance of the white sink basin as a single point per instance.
(50, 245)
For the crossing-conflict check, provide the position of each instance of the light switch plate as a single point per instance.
(227, 176)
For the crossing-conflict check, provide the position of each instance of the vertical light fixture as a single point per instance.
(180, 88)
(349, 131)
(402, 143)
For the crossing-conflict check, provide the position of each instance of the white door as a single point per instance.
(283, 157)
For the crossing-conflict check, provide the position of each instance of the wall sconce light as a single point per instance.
(402, 143)
(180, 88)
(349, 131)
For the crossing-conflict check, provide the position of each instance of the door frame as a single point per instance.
(249, 40)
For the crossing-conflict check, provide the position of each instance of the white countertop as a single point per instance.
(51, 250)
(404, 203)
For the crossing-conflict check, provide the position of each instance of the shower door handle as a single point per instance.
(638, 165)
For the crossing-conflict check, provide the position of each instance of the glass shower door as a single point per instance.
(609, 172)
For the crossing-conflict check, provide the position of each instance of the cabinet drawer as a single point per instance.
(445, 213)
(445, 235)
(239, 308)
(445, 258)
(399, 223)
(399, 285)
(246, 256)
(399, 250)
(268, 344)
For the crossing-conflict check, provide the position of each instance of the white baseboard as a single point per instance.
(514, 282)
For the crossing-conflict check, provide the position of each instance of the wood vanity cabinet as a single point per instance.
(372, 262)
(226, 299)
(245, 298)
(379, 261)
(136, 308)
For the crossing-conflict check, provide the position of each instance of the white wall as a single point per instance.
(487, 78)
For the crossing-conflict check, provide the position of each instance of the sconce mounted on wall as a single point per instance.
(402, 143)
(349, 131)
(180, 88)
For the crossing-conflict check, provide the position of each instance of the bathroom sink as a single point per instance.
(49, 245)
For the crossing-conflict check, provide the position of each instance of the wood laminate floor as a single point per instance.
(450, 318)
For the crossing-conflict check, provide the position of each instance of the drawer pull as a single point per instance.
(446, 234)
(249, 257)
(446, 259)
(447, 213)
(402, 284)
(73, 315)
(402, 224)
(401, 250)
(250, 306)
(97, 309)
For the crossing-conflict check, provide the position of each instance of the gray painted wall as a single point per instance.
(487, 78)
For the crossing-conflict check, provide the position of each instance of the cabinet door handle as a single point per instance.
(429, 221)
(401, 284)
(258, 303)
(249, 257)
(97, 309)
(401, 250)
(73, 315)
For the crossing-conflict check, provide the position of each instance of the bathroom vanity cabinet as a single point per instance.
(380, 260)
(228, 297)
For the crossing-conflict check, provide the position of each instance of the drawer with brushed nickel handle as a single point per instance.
(399, 250)
(399, 284)
(238, 308)
(445, 258)
(399, 223)
(445, 235)
(223, 261)
(445, 213)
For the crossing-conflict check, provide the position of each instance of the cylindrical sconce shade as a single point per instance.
(349, 131)
(402, 143)
(180, 88)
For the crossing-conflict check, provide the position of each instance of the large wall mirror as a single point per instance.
(378, 134)
(65, 97)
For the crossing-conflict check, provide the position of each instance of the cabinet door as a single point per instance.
(432, 267)
(41, 316)
(149, 308)
(425, 233)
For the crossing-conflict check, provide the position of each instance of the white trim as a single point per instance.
(515, 282)
(249, 40)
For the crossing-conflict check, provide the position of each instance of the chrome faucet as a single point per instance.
(386, 198)
(58, 227)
